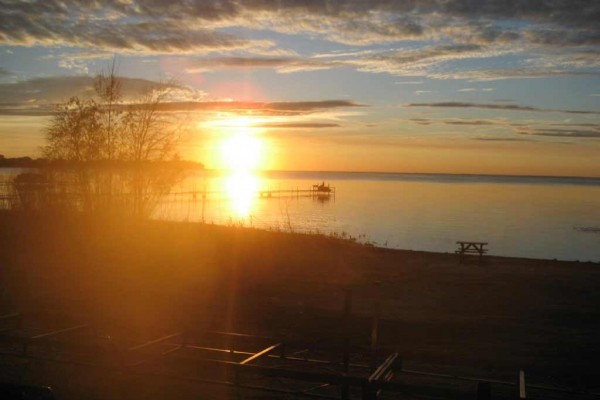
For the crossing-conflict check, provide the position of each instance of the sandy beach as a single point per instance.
(487, 320)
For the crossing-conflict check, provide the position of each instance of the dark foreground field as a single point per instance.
(141, 279)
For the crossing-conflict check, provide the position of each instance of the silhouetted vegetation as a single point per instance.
(104, 155)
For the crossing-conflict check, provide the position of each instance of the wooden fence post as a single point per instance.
(375, 326)
(346, 325)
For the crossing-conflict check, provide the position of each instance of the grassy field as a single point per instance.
(137, 277)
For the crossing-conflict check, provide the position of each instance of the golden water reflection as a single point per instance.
(242, 189)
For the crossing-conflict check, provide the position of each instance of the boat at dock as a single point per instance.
(322, 188)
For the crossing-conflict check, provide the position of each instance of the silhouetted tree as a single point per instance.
(75, 132)
(107, 128)
(108, 87)
(112, 143)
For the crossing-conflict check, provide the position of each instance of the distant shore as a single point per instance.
(28, 162)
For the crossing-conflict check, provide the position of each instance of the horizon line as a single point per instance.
(413, 173)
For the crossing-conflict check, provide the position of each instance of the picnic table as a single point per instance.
(476, 248)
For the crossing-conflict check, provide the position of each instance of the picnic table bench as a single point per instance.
(475, 248)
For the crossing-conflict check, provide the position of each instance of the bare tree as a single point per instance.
(74, 132)
(108, 87)
(148, 133)
(108, 128)
(128, 134)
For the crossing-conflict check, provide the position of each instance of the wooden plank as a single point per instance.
(383, 368)
(260, 354)
(232, 334)
(155, 341)
(58, 332)
(522, 392)
(10, 316)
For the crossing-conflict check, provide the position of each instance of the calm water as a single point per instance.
(518, 216)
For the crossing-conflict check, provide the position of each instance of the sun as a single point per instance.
(242, 148)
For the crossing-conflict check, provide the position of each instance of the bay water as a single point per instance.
(532, 217)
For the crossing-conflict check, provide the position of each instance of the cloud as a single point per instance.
(409, 83)
(471, 89)
(472, 122)
(563, 133)
(563, 37)
(402, 62)
(508, 107)
(420, 61)
(311, 125)
(281, 64)
(58, 89)
(161, 26)
(421, 121)
(40, 96)
(526, 72)
(502, 139)
(114, 27)
(560, 33)
(261, 108)
(566, 129)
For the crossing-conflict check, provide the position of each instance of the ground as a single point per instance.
(133, 278)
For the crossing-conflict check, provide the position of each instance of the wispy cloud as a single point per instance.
(39, 96)
(421, 121)
(287, 125)
(507, 107)
(502, 139)
(52, 90)
(281, 64)
(563, 133)
(471, 122)
(566, 129)
(262, 108)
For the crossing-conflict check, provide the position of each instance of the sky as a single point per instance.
(424, 86)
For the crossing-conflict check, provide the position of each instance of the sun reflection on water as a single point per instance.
(242, 190)
(242, 154)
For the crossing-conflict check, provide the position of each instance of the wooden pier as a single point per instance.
(267, 193)
(314, 193)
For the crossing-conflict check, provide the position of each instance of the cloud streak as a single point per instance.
(562, 133)
(291, 108)
(58, 89)
(492, 106)
(300, 125)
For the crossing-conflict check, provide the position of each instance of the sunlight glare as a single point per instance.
(243, 149)
(242, 189)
